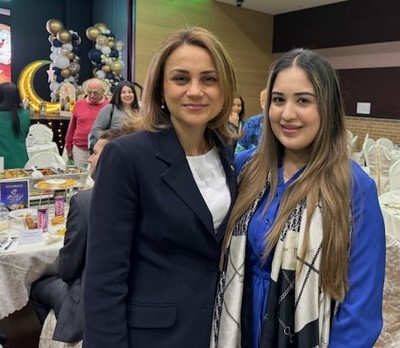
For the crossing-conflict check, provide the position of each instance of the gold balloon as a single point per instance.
(106, 68)
(65, 73)
(92, 33)
(111, 43)
(70, 55)
(53, 26)
(102, 40)
(64, 36)
(116, 66)
(101, 26)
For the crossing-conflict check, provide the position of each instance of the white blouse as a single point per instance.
(209, 174)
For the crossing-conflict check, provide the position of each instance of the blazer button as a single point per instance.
(212, 266)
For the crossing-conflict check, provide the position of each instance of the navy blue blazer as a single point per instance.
(152, 252)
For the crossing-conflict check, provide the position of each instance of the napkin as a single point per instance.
(52, 238)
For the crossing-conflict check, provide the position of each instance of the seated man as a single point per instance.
(63, 292)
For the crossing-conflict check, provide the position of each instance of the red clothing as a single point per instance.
(81, 123)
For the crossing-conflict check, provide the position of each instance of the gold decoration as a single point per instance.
(53, 26)
(92, 33)
(116, 66)
(102, 26)
(65, 73)
(64, 36)
(26, 88)
(106, 68)
(70, 55)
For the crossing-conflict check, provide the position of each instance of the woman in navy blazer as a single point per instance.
(160, 204)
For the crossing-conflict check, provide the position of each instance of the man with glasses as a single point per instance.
(83, 116)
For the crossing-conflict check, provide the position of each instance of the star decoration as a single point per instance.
(50, 74)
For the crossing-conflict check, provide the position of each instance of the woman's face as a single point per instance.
(237, 106)
(127, 96)
(191, 88)
(293, 112)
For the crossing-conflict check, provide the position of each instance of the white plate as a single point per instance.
(56, 181)
(22, 213)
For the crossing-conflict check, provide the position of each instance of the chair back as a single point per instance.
(368, 142)
(394, 176)
(41, 133)
(380, 161)
(44, 159)
(386, 142)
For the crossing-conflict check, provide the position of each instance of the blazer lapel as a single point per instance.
(179, 177)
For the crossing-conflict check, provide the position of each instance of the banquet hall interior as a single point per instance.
(361, 38)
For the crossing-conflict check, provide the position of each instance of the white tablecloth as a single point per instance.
(37, 148)
(20, 268)
(390, 335)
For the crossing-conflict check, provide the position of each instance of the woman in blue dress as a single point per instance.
(304, 253)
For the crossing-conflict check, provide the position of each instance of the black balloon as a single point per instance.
(95, 55)
(57, 43)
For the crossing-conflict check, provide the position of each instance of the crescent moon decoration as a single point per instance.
(26, 88)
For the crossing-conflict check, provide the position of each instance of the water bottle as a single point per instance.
(30, 140)
(3, 216)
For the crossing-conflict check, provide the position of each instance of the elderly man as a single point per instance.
(83, 116)
(62, 292)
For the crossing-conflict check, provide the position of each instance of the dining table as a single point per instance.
(24, 261)
(390, 207)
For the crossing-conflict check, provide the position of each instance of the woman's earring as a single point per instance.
(162, 104)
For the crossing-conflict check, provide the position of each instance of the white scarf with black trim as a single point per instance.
(306, 321)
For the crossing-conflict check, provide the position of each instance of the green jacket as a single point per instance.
(11, 148)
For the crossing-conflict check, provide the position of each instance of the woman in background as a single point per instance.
(236, 119)
(14, 127)
(306, 233)
(123, 104)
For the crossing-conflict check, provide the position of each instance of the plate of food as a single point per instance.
(57, 230)
(56, 181)
(57, 184)
(22, 214)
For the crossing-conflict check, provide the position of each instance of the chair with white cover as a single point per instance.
(368, 142)
(44, 159)
(380, 161)
(394, 176)
(41, 133)
(386, 142)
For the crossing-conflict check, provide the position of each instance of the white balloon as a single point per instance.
(53, 96)
(61, 62)
(71, 79)
(64, 51)
(53, 56)
(100, 74)
(106, 50)
(119, 45)
(57, 50)
(68, 46)
(108, 61)
(54, 85)
(98, 46)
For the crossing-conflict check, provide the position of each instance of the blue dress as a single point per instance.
(358, 321)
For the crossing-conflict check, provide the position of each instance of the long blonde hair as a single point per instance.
(326, 178)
